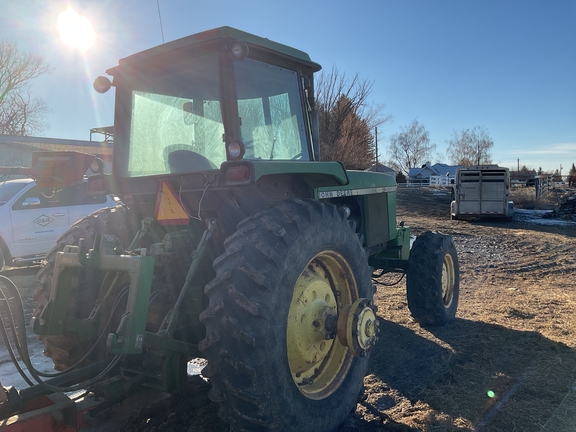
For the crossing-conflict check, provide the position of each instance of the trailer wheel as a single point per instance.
(280, 352)
(65, 350)
(433, 279)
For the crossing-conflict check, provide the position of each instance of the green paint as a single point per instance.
(314, 173)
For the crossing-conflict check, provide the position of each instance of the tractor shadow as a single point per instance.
(552, 226)
(466, 376)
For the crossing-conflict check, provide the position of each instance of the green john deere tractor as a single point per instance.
(234, 243)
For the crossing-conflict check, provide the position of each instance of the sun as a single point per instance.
(75, 30)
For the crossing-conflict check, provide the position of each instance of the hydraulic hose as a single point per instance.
(376, 281)
(10, 316)
(19, 339)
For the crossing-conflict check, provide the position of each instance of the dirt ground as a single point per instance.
(514, 334)
(507, 363)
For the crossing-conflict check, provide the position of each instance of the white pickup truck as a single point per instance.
(32, 218)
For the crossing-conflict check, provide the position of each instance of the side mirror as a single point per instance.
(31, 202)
(97, 185)
(188, 109)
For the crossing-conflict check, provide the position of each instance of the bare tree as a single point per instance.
(411, 147)
(20, 112)
(346, 119)
(470, 147)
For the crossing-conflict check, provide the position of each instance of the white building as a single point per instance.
(438, 174)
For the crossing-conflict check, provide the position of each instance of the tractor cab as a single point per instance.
(222, 95)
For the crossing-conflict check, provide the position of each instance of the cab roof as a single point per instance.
(209, 37)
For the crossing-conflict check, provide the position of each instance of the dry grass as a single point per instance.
(515, 342)
(525, 198)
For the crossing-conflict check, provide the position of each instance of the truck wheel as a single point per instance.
(290, 275)
(433, 279)
(65, 350)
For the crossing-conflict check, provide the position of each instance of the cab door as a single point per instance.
(38, 219)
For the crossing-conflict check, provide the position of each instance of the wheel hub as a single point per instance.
(358, 327)
(311, 340)
(326, 325)
(448, 278)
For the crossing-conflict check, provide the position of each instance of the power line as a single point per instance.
(160, 18)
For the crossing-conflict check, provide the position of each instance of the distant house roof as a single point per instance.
(382, 169)
(54, 144)
(422, 172)
(447, 170)
(428, 170)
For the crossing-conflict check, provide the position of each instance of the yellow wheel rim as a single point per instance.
(318, 361)
(448, 278)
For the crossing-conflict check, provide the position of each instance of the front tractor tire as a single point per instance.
(290, 323)
(433, 280)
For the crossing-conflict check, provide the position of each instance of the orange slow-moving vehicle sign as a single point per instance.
(169, 209)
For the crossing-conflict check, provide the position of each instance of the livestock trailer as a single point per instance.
(482, 191)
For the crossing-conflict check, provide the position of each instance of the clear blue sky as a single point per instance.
(508, 66)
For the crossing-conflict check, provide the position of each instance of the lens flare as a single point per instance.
(75, 30)
(490, 394)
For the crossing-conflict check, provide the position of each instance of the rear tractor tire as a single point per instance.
(65, 350)
(290, 323)
(433, 279)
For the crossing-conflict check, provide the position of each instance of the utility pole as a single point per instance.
(478, 154)
(376, 134)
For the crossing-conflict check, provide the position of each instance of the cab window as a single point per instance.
(76, 195)
(43, 197)
(270, 110)
(39, 197)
